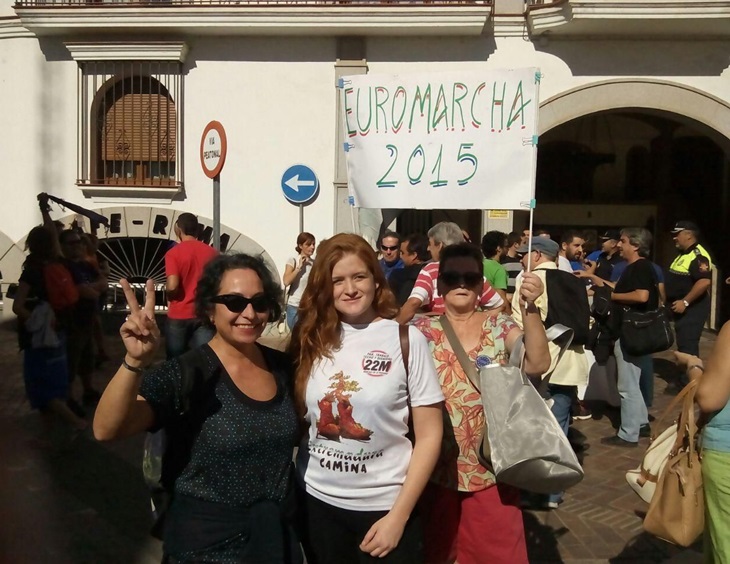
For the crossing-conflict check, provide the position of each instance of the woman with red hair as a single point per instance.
(360, 472)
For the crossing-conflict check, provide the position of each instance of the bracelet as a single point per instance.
(702, 368)
(135, 369)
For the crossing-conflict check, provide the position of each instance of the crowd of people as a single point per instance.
(359, 442)
(58, 301)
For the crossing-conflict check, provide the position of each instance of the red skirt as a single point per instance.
(473, 527)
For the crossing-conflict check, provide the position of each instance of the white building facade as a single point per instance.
(105, 102)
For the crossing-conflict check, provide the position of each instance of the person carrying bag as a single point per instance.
(522, 441)
(644, 478)
(677, 509)
(646, 332)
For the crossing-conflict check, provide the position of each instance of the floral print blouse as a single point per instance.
(458, 467)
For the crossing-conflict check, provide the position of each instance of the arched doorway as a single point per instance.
(637, 152)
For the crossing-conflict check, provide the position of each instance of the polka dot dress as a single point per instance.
(243, 453)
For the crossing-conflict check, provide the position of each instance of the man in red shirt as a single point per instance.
(184, 265)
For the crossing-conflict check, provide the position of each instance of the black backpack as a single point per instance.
(568, 304)
(167, 451)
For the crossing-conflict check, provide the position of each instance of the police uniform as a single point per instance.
(606, 264)
(690, 266)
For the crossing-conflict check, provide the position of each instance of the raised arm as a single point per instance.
(121, 411)
(537, 353)
(48, 223)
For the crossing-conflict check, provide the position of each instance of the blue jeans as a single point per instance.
(562, 397)
(291, 316)
(182, 335)
(646, 381)
(633, 409)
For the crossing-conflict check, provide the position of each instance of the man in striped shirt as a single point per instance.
(512, 262)
(425, 294)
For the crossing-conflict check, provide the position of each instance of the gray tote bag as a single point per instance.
(522, 442)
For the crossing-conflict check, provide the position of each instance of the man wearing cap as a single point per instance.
(570, 370)
(608, 263)
(610, 256)
(688, 283)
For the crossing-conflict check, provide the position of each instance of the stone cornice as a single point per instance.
(378, 19)
(705, 19)
(11, 28)
(128, 51)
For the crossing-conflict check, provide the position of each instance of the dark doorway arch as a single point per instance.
(638, 166)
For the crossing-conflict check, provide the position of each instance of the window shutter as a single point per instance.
(140, 127)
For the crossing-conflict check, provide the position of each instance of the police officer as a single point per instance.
(688, 283)
(610, 256)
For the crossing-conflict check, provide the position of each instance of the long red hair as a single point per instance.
(317, 333)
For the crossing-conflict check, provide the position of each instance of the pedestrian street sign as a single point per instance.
(299, 184)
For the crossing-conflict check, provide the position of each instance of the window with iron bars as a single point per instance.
(129, 128)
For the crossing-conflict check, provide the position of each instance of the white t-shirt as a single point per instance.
(296, 288)
(367, 373)
(564, 264)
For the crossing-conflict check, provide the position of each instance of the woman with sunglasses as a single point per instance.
(468, 517)
(361, 474)
(231, 497)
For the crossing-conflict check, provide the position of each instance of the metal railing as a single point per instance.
(249, 3)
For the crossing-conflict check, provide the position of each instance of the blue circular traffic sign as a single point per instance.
(299, 184)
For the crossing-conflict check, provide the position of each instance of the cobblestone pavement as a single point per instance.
(67, 498)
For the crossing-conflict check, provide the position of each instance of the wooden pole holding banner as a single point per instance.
(529, 241)
(533, 203)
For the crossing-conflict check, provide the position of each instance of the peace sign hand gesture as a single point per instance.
(140, 333)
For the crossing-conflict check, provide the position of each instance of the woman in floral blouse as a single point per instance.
(468, 517)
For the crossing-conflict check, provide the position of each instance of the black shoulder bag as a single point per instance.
(646, 332)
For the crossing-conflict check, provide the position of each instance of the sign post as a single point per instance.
(300, 186)
(213, 147)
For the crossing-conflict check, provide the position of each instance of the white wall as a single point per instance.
(276, 98)
(277, 107)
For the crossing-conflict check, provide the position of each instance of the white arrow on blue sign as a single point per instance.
(299, 184)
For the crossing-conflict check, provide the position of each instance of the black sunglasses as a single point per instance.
(387, 248)
(467, 279)
(237, 303)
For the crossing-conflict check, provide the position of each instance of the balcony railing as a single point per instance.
(243, 3)
(539, 3)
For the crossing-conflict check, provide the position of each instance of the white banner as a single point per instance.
(456, 140)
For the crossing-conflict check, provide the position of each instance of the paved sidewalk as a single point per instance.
(67, 498)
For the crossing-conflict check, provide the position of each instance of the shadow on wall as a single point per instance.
(639, 58)
(316, 49)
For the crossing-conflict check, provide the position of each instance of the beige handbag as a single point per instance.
(643, 479)
(677, 509)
